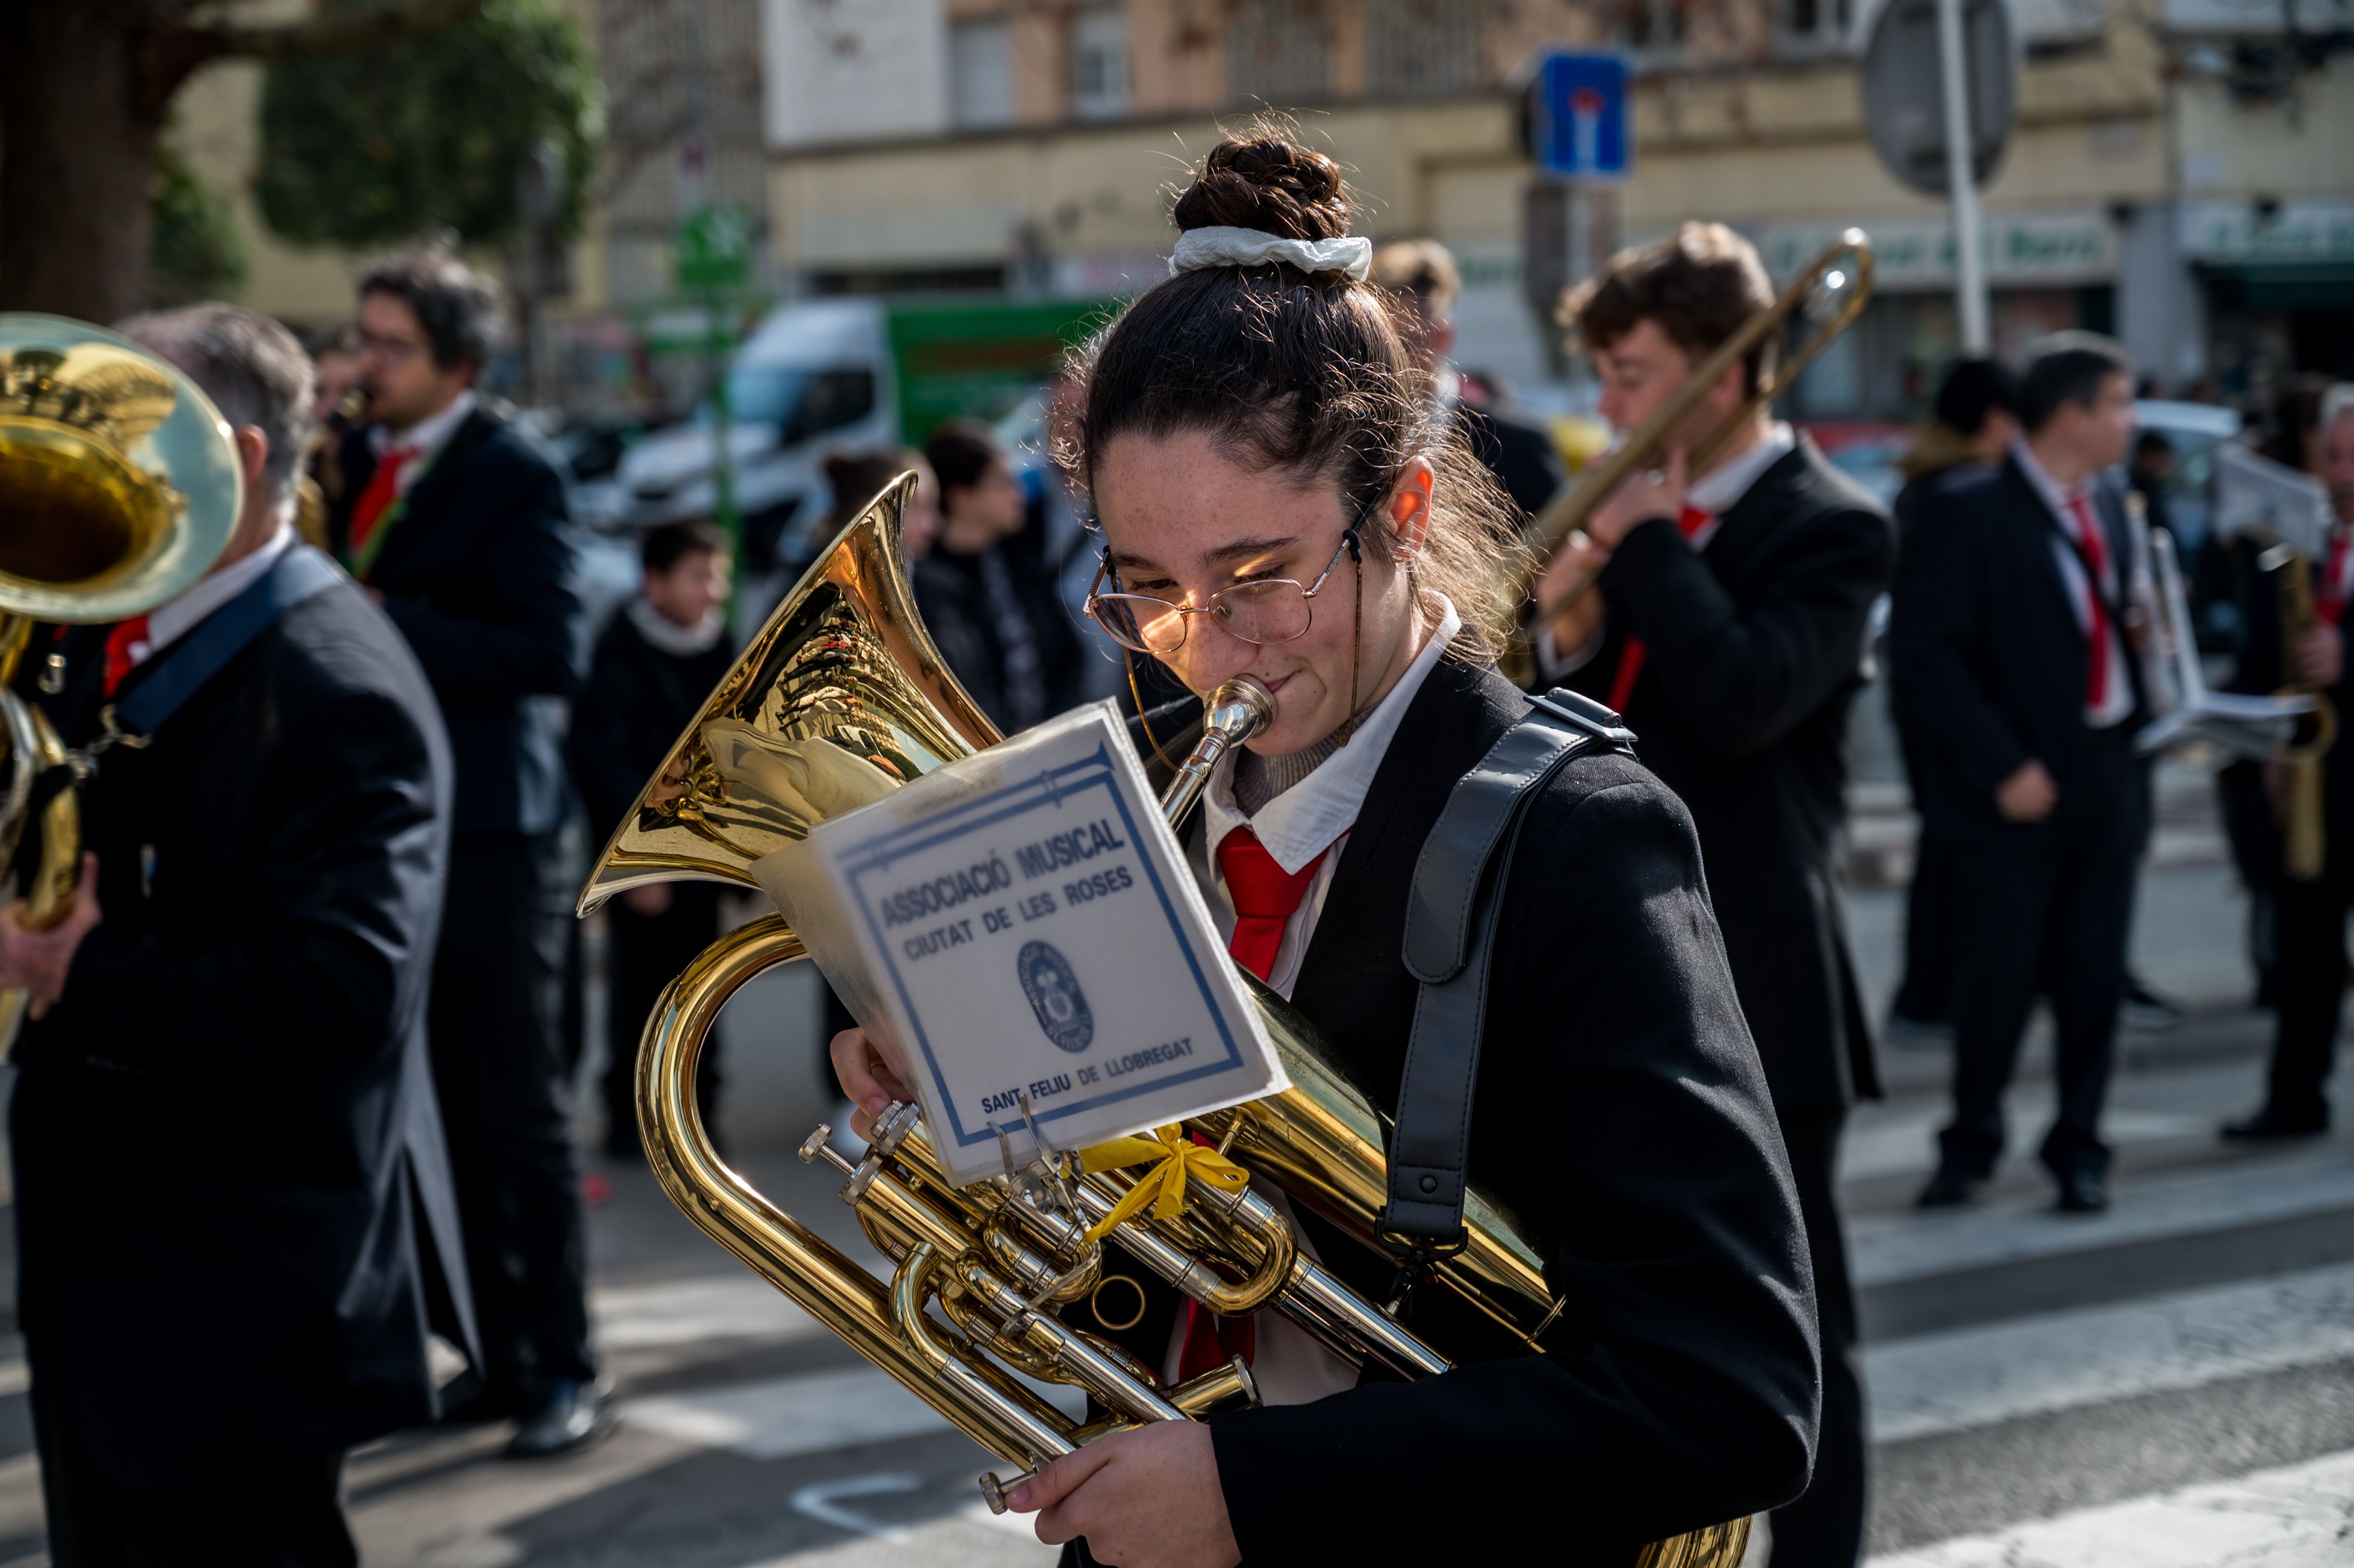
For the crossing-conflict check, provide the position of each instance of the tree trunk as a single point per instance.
(81, 110)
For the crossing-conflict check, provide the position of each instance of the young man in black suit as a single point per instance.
(1729, 626)
(2309, 925)
(455, 525)
(226, 1147)
(2016, 640)
(1422, 275)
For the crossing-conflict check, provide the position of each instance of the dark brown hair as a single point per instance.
(457, 307)
(961, 452)
(1299, 373)
(1698, 284)
(858, 477)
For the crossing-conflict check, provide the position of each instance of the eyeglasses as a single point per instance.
(1272, 609)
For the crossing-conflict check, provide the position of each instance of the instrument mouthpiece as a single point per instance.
(1237, 710)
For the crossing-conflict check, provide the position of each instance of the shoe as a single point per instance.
(1950, 1188)
(1918, 1033)
(566, 1418)
(2084, 1192)
(470, 1398)
(2270, 1125)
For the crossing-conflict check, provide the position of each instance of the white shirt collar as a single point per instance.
(1305, 819)
(167, 623)
(2059, 497)
(1717, 491)
(430, 434)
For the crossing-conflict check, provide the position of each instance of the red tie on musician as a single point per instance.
(1690, 520)
(125, 646)
(2097, 631)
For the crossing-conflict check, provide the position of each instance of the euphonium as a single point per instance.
(840, 698)
(119, 485)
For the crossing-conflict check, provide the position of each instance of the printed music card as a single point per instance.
(1021, 935)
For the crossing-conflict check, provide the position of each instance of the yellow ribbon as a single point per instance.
(1176, 1157)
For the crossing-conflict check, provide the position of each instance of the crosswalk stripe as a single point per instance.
(679, 1312)
(1893, 1144)
(813, 1413)
(1912, 1245)
(1982, 1376)
(2299, 1516)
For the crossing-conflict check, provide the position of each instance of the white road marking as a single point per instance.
(680, 1312)
(823, 1502)
(1912, 1245)
(812, 1414)
(2300, 1516)
(1982, 1376)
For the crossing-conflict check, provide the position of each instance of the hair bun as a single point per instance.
(1267, 184)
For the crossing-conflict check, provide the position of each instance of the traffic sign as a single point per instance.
(1578, 115)
(1905, 94)
(714, 249)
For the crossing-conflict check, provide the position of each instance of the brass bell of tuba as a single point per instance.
(840, 699)
(119, 486)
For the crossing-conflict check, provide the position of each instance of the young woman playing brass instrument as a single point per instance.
(1274, 501)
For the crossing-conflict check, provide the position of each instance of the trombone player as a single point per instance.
(225, 1140)
(1728, 623)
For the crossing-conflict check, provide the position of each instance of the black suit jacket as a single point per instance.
(225, 1134)
(1755, 655)
(1990, 659)
(476, 573)
(1522, 457)
(2261, 668)
(1622, 1115)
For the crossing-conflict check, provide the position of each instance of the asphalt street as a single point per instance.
(2171, 1383)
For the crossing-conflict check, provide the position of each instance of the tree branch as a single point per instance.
(350, 30)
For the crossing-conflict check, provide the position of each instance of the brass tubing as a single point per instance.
(911, 1287)
(843, 1298)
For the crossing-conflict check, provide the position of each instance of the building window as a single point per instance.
(980, 74)
(1100, 62)
(1279, 52)
(1422, 45)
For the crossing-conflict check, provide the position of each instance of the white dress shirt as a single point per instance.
(1290, 1365)
(1716, 493)
(2117, 698)
(170, 621)
(427, 436)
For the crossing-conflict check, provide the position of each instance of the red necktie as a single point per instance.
(1265, 897)
(2331, 601)
(2096, 556)
(125, 646)
(1690, 520)
(383, 489)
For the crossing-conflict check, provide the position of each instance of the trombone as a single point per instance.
(1830, 292)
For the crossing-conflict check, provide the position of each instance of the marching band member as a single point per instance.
(1275, 501)
(1729, 627)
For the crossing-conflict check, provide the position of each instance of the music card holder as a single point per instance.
(1018, 933)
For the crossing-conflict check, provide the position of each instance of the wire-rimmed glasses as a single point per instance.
(1270, 609)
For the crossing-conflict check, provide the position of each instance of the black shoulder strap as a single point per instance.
(1450, 928)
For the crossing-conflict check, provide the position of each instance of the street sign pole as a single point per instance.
(1581, 139)
(1962, 186)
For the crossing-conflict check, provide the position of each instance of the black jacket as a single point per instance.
(1989, 657)
(961, 616)
(637, 700)
(1522, 457)
(1755, 653)
(475, 572)
(1621, 1113)
(225, 1134)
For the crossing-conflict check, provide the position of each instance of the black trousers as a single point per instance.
(1926, 993)
(2309, 933)
(2051, 919)
(287, 1516)
(1824, 1528)
(500, 1069)
(648, 952)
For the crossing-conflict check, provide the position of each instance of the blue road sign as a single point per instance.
(1581, 129)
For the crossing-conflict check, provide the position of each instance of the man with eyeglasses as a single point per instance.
(454, 524)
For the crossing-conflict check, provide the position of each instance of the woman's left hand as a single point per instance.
(1144, 1498)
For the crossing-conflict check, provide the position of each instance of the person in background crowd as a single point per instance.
(1974, 420)
(2018, 668)
(227, 1161)
(1004, 630)
(1421, 275)
(335, 364)
(855, 478)
(455, 523)
(2149, 474)
(2309, 917)
(657, 662)
(1728, 624)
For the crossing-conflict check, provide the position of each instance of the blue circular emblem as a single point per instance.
(1055, 997)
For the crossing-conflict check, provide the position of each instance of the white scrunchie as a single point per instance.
(1220, 246)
